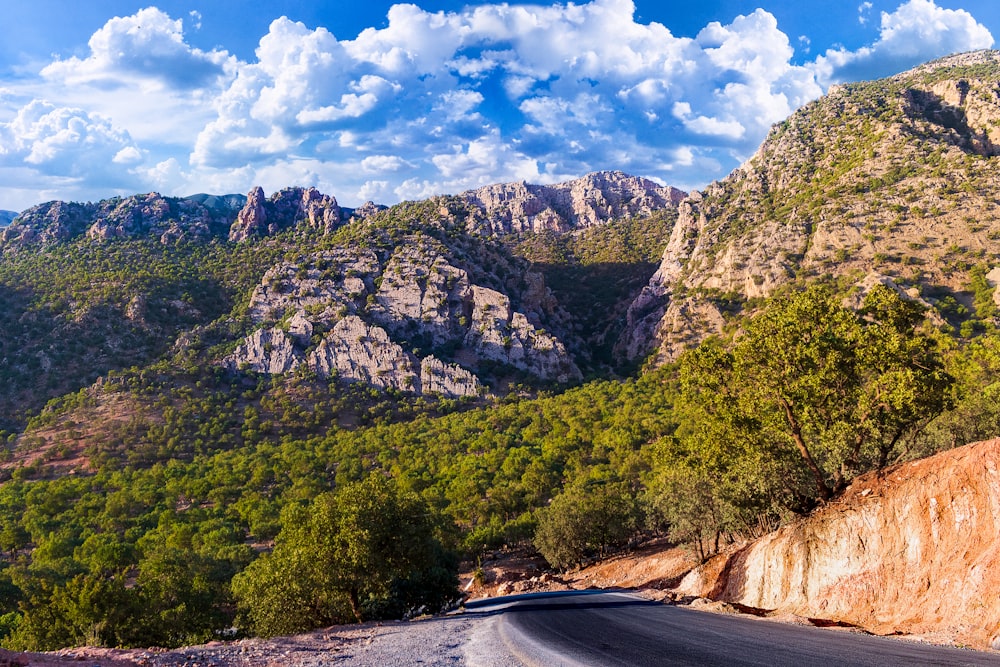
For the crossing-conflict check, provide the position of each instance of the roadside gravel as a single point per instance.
(464, 639)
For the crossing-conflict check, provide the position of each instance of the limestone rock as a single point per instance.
(421, 295)
(283, 210)
(497, 333)
(411, 320)
(592, 200)
(268, 350)
(326, 286)
(994, 277)
(356, 351)
(859, 181)
(367, 210)
(450, 380)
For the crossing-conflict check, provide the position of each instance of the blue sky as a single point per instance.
(387, 102)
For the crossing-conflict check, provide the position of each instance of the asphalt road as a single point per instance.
(606, 629)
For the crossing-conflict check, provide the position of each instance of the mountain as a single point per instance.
(893, 179)
(426, 297)
(185, 379)
(7, 217)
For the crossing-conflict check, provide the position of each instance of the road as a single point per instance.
(606, 629)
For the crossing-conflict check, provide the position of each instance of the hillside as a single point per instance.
(896, 177)
(193, 386)
(436, 286)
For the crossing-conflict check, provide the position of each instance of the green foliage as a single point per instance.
(590, 518)
(810, 377)
(367, 551)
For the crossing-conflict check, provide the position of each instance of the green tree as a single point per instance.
(836, 388)
(369, 550)
(589, 518)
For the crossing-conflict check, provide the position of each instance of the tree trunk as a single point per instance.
(355, 604)
(821, 486)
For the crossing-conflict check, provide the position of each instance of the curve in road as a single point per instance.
(615, 628)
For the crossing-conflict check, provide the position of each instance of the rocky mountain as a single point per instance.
(912, 549)
(7, 217)
(896, 177)
(137, 216)
(412, 321)
(284, 210)
(512, 208)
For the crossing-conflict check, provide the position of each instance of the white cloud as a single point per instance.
(147, 46)
(917, 31)
(864, 9)
(63, 141)
(380, 164)
(434, 101)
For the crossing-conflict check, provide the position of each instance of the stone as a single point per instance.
(267, 350)
(592, 200)
(356, 351)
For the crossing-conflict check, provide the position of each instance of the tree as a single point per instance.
(588, 518)
(808, 376)
(369, 550)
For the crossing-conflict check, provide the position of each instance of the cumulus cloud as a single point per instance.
(525, 90)
(917, 31)
(149, 46)
(437, 102)
(63, 141)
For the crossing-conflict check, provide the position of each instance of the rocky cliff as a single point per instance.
(910, 550)
(150, 215)
(284, 210)
(897, 176)
(411, 320)
(585, 202)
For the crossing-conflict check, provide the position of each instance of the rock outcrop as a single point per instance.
(911, 550)
(139, 216)
(411, 321)
(592, 200)
(896, 176)
(283, 210)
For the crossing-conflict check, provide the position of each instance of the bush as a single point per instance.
(368, 551)
(589, 519)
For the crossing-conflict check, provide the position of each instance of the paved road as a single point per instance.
(606, 629)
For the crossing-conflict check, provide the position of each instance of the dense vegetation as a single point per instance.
(143, 549)
(147, 496)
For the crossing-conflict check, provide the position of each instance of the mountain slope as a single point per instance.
(897, 177)
(443, 304)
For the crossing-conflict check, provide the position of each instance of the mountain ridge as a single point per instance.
(895, 176)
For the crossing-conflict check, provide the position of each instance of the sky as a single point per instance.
(387, 102)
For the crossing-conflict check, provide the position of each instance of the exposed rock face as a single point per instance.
(915, 551)
(584, 202)
(366, 210)
(150, 215)
(499, 334)
(412, 321)
(356, 351)
(284, 210)
(268, 351)
(860, 181)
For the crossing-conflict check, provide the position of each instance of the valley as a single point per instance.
(203, 395)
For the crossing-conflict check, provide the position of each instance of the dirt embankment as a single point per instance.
(912, 550)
